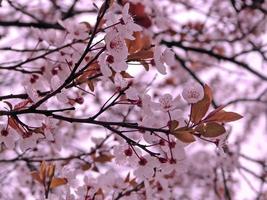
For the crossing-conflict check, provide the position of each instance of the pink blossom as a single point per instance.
(128, 27)
(193, 93)
(167, 103)
(116, 46)
(8, 136)
(119, 81)
(132, 94)
(161, 58)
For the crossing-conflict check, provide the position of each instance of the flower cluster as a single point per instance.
(88, 129)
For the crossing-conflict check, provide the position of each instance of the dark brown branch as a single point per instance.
(215, 55)
(41, 25)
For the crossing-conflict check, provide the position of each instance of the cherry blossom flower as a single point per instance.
(147, 105)
(128, 27)
(29, 142)
(124, 154)
(163, 57)
(8, 136)
(193, 93)
(108, 182)
(32, 93)
(77, 31)
(107, 62)
(154, 120)
(132, 94)
(116, 46)
(167, 103)
(119, 81)
(146, 167)
(104, 67)
(52, 37)
(56, 82)
(151, 138)
(89, 183)
(49, 127)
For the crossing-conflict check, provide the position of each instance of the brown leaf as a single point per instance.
(42, 171)
(140, 16)
(127, 178)
(133, 182)
(200, 128)
(145, 64)
(86, 166)
(136, 44)
(223, 116)
(88, 73)
(126, 75)
(215, 111)
(213, 129)
(22, 104)
(141, 55)
(51, 170)
(36, 176)
(103, 158)
(200, 108)
(91, 85)
(137, 9)
(184, 134)
(173, 125)
(100, 192)
(58, 182)
(186, 137)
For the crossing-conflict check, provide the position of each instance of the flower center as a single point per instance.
(193, 94)
(4, 132)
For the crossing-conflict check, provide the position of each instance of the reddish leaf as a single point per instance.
(184, 134)
(36, 176)
(22, 104)
(88, 73)
(141, 55)
(136, 44)
(223, 116)
(14, 124)
(173, 125)
(58, 182)
(146, 66)
(51, 170)
(213, 129)
(200, 108)
(91, 85)
(137, 9)
(215, 111)
(144, 21)
(86, 166)
(126, 75)
(127, 178)
(103, 158)
(42, 171)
